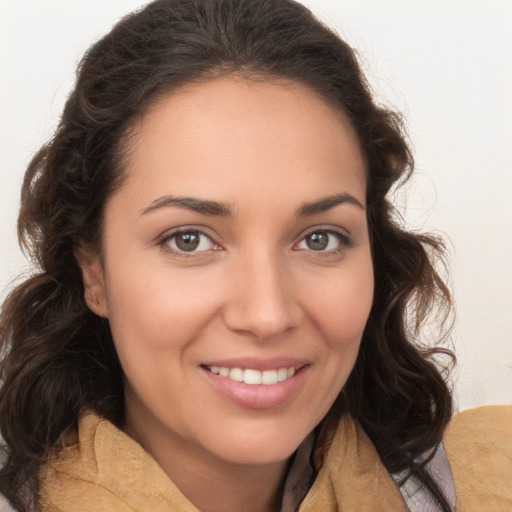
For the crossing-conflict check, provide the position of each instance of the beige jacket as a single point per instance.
(108, 471)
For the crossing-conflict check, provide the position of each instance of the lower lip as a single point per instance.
(258, 396)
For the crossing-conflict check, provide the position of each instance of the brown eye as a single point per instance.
(317, 241)
(325, 240)
(189, 241)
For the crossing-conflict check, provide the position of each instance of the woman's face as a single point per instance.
(235, 269)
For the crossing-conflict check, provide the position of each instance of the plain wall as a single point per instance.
(445, 64)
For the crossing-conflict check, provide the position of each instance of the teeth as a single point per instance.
(236, 374)
(250, 376)
(282, 374)
(269, 377)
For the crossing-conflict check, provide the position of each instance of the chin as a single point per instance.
(259, 446)
(257, 455)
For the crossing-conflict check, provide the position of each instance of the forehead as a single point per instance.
(221, 134)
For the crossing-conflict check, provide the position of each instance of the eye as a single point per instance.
(189, 241)
(324, 240)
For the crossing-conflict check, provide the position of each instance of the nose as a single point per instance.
(263, 302)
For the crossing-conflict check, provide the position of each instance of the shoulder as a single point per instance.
(478, 443)
(111, 469)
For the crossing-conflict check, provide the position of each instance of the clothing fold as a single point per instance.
(106, 470)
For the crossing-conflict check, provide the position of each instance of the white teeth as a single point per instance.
(236, 374)
(250, 376)
(269, 377)
(282, 374)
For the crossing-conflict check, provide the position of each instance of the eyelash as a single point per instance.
(165, 240)
(345, 241)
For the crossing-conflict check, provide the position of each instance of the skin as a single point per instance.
(254, 288)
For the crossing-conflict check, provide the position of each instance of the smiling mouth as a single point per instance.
(253, 377)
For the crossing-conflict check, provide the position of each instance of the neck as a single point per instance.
(210, 483)
(222, 489)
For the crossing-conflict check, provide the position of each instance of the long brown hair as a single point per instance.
(58, 357)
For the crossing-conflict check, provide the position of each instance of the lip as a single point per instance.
(257, 396)
(258, 364)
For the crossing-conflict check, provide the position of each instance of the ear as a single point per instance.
(91, 265)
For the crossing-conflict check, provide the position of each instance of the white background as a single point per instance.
(446, 64)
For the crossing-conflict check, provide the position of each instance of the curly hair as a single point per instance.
(59, 358)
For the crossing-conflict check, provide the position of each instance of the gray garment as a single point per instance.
(300, 477)
(418, 499)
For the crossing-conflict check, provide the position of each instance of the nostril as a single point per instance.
(262, 302)
(261, 325)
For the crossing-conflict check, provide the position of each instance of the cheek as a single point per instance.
(158, 308)
(340, 308)
(155, 317)
(341, 313)
(338, 312)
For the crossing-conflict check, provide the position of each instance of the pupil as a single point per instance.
(187, 241)
(318, 241)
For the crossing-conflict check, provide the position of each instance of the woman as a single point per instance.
(225, 310)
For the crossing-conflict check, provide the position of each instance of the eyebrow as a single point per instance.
(190, 203)
(326, 203)
(215, 208)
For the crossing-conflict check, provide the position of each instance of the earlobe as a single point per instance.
(91, 265)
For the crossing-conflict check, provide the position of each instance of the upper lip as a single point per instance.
(257, 364)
